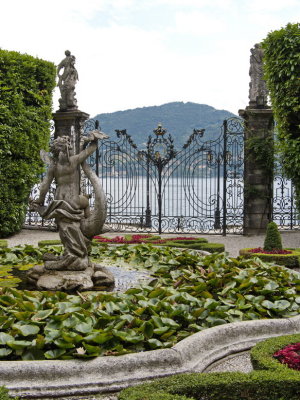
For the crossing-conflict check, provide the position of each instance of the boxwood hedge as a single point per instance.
(26, 85)
(258, 385)
(4, 395)
(262, 353)
(288, 260)
(270, 380)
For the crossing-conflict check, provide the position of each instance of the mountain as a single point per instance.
(178, 118)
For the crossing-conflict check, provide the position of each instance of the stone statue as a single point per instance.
(258, 92)
(76, 223)
(67, 81)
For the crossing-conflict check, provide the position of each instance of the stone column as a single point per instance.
(69, 123)
(258, 184)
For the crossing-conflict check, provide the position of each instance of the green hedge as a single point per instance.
(213, 247)
(262, 353)
(26, 86)
(271, 380)
(287, 260)
(54, 242)
(4, 395)
(3, 243)
(201, 244)
(258, 385)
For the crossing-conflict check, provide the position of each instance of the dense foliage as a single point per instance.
(187, 294)
(178, 118)
(282, 71)
(26, 85)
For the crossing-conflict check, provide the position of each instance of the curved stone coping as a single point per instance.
(107, 374)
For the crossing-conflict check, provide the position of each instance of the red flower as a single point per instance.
(275, 251)
(289, 355)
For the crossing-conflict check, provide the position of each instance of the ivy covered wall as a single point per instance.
(26, 85)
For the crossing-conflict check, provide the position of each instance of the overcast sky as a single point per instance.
(135, 53)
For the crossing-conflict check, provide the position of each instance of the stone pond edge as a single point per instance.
(54, 378)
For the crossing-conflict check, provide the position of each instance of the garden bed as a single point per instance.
(290, 260)
(182, 242)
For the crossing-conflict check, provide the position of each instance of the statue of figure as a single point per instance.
(67, 81)
(76, 224)
(258, 92)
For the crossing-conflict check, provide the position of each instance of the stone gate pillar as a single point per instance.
(69, 123)
(258, 183)
(259, 124)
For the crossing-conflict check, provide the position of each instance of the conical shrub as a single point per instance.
(273, 238)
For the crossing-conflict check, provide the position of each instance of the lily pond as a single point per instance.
(184, 293)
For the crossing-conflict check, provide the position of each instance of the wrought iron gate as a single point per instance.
(198, 189)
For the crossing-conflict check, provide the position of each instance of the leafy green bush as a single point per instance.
(43, 243)
(197, 245)
(282, 71)
(188, 293)
(258, 385)
(291, 260)
(213, 247)
(26, 86)
(4, 395)
(3, 243)
(262, 353)
(273, 237)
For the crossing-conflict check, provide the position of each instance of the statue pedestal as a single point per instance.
(92, 278)
(65, 120)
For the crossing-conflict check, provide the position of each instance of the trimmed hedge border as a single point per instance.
(271, 380)
(4, 394)
(262, 354)
(258, 385)
(287, 260)
(3, 243)
(53, 242)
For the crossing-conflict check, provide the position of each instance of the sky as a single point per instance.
(137, 53)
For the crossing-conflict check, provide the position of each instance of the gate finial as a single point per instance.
(159, 131)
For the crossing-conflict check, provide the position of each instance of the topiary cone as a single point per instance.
(273, 238)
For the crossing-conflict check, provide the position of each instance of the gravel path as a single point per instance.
(233, 243)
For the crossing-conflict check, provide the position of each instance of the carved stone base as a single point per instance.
(94, 277)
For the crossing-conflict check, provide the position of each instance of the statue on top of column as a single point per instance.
(66, 82)
(258, 92)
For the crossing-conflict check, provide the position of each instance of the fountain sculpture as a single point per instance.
(76, 223)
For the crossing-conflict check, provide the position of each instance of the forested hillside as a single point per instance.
(178, 118)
